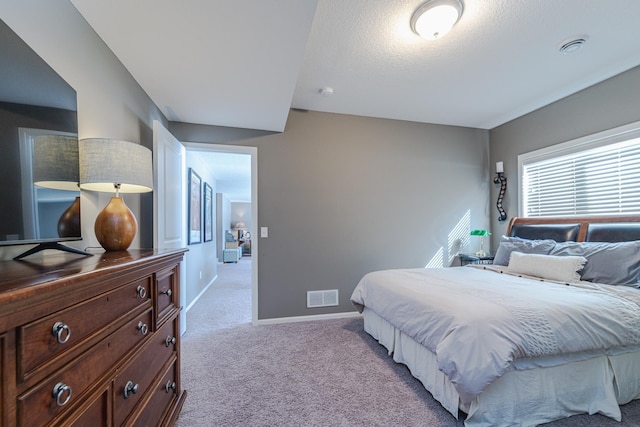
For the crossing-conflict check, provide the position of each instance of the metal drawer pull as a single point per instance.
(143, 328)
(61, 331)
(129, 389)
(59, 391)
(169, 341)
(171, 386)
(141, 291)
(167, 292)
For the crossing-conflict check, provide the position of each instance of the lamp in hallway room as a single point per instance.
(114, 166)
(482, 234)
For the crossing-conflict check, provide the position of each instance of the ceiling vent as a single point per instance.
(573, 44)
(326, 91)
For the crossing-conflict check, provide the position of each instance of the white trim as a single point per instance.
(610, 136)
(195, 300)
(253, 152)
(329, 316)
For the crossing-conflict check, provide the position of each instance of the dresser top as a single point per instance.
(29, 277)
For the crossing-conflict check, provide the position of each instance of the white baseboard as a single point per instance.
(195, 300)
(308, 318)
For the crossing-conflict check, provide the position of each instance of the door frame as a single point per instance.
(253, 152)
(160, 132)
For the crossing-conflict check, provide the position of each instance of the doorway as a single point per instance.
(237, 177)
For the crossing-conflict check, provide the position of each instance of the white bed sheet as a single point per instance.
(522, 397)
(519, 319)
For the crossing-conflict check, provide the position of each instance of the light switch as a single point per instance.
(264, 231)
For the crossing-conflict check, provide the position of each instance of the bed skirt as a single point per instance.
(526, 397)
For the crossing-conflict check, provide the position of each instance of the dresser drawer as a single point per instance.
(164, 392)
(138, 376)
(45, 338)
(167, 296)
(52, 396)
(94, 413)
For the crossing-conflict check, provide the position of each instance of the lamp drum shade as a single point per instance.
(107, 162)
(55, 162)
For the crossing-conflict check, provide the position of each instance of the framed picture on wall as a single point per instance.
(208, 213)
(195, 207)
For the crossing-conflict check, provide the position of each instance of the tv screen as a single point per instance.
(38, 141)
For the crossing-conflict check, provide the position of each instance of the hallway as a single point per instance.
(227, 302)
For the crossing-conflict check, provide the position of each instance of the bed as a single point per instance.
(551, 330)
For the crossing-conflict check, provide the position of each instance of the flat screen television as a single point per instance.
(36, 104)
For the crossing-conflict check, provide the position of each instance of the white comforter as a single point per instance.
(477, 321)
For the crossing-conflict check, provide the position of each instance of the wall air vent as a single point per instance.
(322, 298)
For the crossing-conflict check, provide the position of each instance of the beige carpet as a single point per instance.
(317, 373)
(227, 302)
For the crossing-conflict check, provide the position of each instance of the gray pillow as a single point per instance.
(612, 263)
(525, 246)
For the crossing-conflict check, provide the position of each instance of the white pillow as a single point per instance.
(559, 268)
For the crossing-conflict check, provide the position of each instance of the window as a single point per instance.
(595, 175)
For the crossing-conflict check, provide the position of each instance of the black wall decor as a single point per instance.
(502, 180)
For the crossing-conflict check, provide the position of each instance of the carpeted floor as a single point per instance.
(317, 373)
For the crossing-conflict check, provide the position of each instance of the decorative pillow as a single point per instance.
(559, 268)
(517, 244)
(611, 263)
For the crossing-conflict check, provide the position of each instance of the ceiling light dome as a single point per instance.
(435, 18)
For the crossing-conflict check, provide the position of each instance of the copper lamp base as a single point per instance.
(115, 226)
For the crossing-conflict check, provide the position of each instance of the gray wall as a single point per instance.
(612, 103)
(342, 195)
(111, 104)
(345, 195)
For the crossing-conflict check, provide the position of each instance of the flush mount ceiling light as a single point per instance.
(435, 18)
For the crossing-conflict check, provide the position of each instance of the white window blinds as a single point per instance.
(575, 180)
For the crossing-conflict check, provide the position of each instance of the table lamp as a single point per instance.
(482, 234)
(55, 166)
(109, 165)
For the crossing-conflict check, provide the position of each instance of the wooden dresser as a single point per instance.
(91, 341)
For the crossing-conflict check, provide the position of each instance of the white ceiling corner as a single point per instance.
(245, 63)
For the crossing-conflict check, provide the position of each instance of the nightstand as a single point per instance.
(475, 259)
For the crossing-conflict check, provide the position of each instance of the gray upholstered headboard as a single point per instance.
(579, 229)
(618, 232)
(557, 232)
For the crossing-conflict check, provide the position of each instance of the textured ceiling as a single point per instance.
(246, 63)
